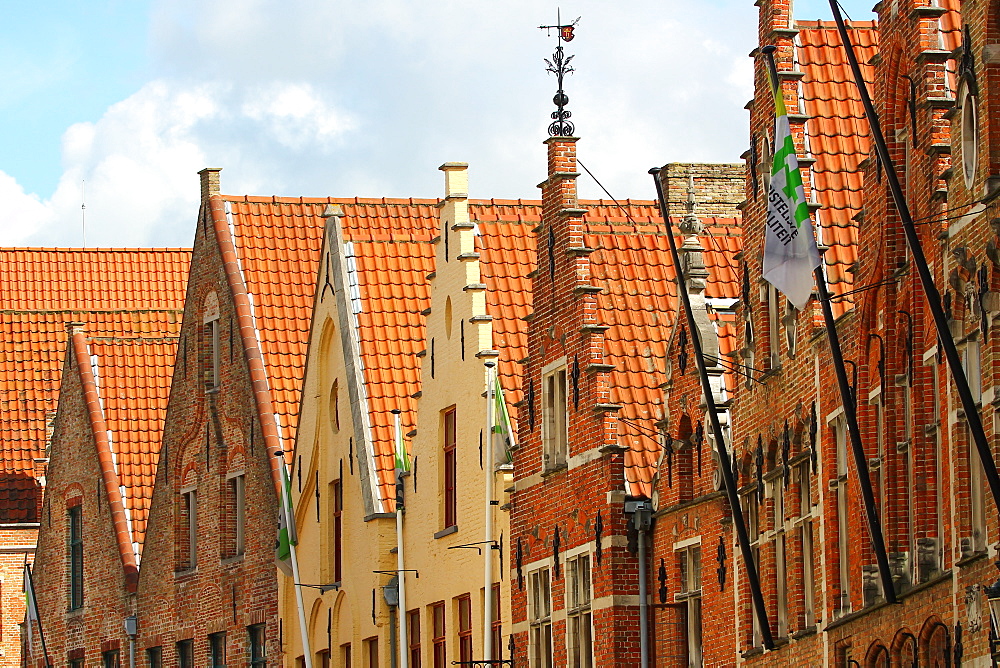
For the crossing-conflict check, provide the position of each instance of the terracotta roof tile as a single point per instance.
(123, 292)
(135, 405)
(838, 138)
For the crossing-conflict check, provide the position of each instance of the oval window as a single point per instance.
(970, 138)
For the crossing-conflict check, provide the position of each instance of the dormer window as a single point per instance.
(554, 423)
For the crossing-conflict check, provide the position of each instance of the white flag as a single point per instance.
(790, 253)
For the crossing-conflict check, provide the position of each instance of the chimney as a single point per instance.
(456, 179)
(209, 182)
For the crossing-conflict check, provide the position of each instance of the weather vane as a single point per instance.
(559, 65)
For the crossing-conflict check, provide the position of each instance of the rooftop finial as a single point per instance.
(690, 224)
(559, 65)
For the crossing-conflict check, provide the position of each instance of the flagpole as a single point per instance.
(847, 399)
(923, 271)
(38, 618)
(286, 508)
(404, 657)
(490, 458)
(725, 463)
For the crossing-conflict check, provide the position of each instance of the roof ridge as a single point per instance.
(105, 456)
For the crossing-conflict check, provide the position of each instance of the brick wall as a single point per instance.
(207, 437)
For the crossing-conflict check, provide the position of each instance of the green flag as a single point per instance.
(790, 253)
(286, 525)
(399, 446)
(503, 431)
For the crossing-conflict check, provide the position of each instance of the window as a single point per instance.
(540, 618)
(323, 658)
(345, 655)
(258, 647)
(751, 510)
(189, 529)
(154, 657)
(210, 366)
(970, 137)
(413, 637)
(76, 663)
(464, 628)
(972, 366)
(780, 553)
(437, 615)
(689, 562)
(497, 624)
(578, 612)
(808, 552)
(75, 557)
(554, 407)
(770, 295)
(450, 463)
(371, 653)
(217, 650)
(185, 653)
(843, 537)
(111, 659)
(337, 526)
(236, 507)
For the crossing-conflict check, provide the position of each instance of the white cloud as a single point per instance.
(138, 163)
(332, 97)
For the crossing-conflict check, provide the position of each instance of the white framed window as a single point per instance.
(540, 618)
(839, 484)
(236, 502)
(970, 136)
(189, 528)
(780, 553)
(555, 438)
(578, 612)
(972, 366)
(751, 513)
(804, 470)
(689, 563)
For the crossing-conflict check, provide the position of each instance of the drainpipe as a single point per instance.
(131, 624)
(642, 512)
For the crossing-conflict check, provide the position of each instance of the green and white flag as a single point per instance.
(399, 447)
(31, 606)
(790, 253)
(286, 525)
(503, 431)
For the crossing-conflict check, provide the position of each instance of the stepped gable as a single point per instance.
(121, 292)
(838, 137)
(639, 304)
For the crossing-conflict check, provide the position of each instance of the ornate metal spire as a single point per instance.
(561, 126)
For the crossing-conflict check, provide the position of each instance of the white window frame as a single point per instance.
(839, 428)
(236, 485)
(690, 596)
(804, 471)
(579, 618)
(555, 422)
(540, 617)
(189, 500)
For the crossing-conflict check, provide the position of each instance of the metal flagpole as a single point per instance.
(488, 540)
(847, 399)
(404, 657)
(923, 271)
(34, 602)
(289, 522)
(720, 441)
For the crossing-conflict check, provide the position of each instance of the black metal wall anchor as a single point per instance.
(556, 542)
(661, 576)
(720, 556)
(682, 356)
(598, 533)
(759, 461)
(518, 561)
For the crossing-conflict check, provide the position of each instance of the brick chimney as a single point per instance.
(209, 182)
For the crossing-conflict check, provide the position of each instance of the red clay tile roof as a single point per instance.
(134, 406)
(278, 242)
(838, 137)
(124, 292)
(640, 303)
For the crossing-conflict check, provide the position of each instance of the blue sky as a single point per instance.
(331, 97)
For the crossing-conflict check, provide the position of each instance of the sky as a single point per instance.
(117, 104)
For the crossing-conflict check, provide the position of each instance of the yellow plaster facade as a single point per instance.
(333, 449)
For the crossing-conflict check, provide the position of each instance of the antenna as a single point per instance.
(83, 213)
